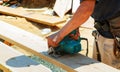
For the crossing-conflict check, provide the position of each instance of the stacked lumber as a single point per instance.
(35, 17)
(29, 42)
(38, 46)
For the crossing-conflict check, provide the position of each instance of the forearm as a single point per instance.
(81, 15)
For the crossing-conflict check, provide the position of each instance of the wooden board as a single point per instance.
(35, 17)
(62, 6)
(17, 62)
(29, 42)
(82, 63)
(4, 69)
(37, 45)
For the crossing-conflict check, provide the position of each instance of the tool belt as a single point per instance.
(112, 27)
(102, 25)
(103, 28)
(115, 26)
(115, 30)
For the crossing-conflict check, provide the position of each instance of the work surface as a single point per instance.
(38, 46)
(82, 63)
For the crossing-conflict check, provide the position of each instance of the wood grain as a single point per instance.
(35, 17)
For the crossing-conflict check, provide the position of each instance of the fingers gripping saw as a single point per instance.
(68, 45)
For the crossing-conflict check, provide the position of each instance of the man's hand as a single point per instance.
(75, 36)
(52, 43)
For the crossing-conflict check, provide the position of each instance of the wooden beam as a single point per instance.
(29, 42)
(35, 17)
(38, 46)
(4, 69)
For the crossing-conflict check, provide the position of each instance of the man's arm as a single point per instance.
(81, 15)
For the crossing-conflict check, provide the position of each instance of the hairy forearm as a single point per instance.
(81, 15)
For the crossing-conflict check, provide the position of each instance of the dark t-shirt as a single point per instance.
(106, 9)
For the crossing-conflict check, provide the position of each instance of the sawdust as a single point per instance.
(47, 64)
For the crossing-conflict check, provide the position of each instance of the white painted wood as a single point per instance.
(25, 39)
(62, 6)
(28, 41)
(17, 62)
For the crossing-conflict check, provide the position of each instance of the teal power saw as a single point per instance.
(68, 46)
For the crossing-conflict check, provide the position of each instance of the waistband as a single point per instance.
(104, 29)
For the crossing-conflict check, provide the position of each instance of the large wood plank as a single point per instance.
(17, 62)
(38, 46)
(35, 17)
(82, 63)
(29, 42)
